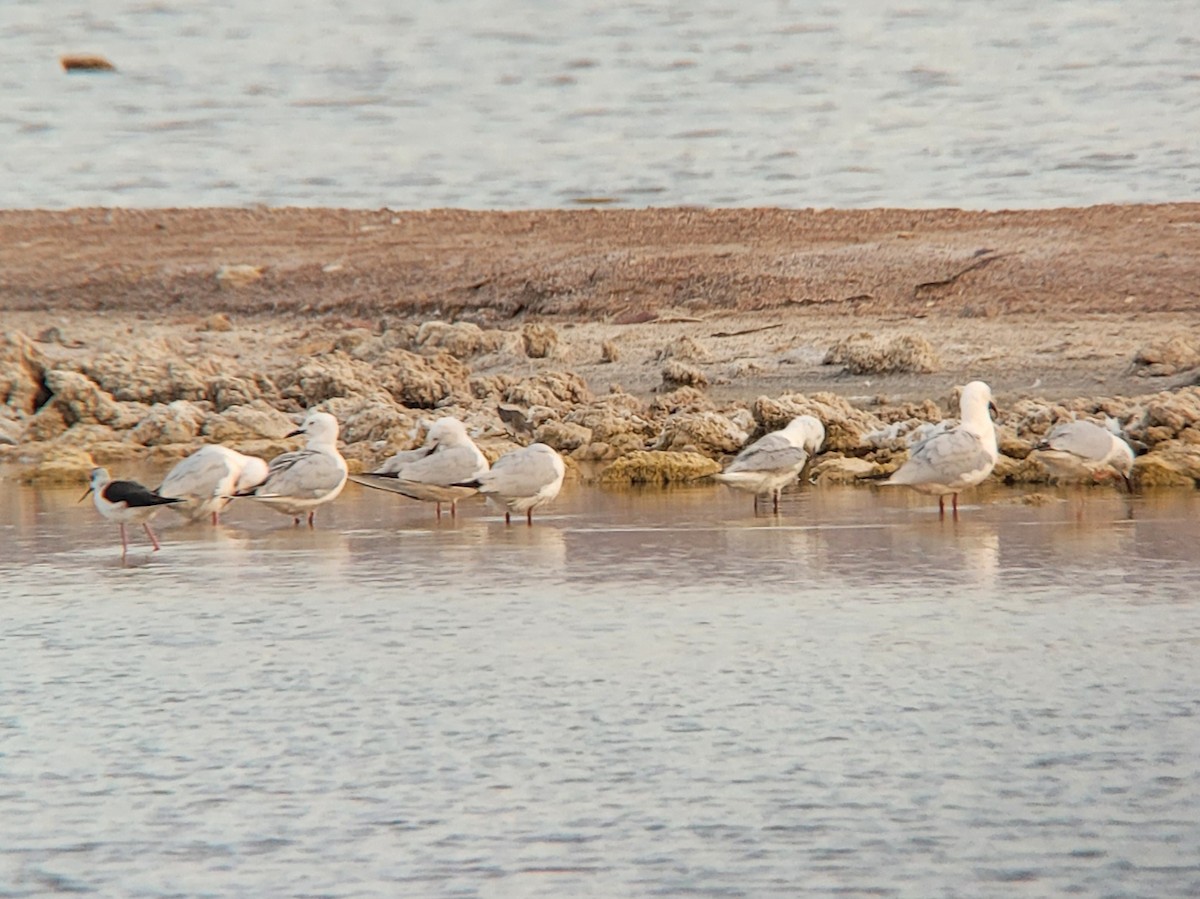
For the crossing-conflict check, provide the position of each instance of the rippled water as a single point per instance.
(644, 694)
(478, 103)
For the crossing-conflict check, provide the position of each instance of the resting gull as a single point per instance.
(771, 463)
(1084, 451)
(432, 472)
(522, 480)
(207, 480)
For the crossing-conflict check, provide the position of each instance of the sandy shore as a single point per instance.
(1073, 306)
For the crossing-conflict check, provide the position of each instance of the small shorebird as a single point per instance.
(771, 463)
(961, 457)
(299, 481)
(522, 480)
(1085, 451)
(208, 479)
(433, 471)
(126, 502)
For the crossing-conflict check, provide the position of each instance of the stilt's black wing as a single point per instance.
(134, 495)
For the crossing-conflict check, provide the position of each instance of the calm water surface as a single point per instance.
(644, 694)
(527, 103)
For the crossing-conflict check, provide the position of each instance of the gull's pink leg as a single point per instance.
(529, 517)
(438, 506)
(311, 515)
(507, 518)
(941, 507)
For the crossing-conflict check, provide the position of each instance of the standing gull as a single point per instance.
(434, 471)
(522, 480)
(771, 463)
(126, 502)
(1083, 451)
(300, 481)
(953, 460)
(207, 480)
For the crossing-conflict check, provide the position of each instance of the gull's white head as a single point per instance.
(319, 427)
(447, 432)
(976, 408)
(806, 431)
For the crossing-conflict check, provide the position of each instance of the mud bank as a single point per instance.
(662, 339)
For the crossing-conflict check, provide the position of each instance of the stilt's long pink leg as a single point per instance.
(124, 541)
(150, 534)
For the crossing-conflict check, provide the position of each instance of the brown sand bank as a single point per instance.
(134, 334)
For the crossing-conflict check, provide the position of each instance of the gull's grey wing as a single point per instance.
(943, 458)
(397, 463)
(518, 474)
(1080, 438)
(776, 456)
(432, 493)
(445, 466)
(199, 475)
(305, 474)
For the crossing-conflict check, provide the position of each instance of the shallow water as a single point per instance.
(476, 103)
(648, 693)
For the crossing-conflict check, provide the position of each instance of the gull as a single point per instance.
(432, 472)
(126, 502)
(1083, 450)
(771, 463)
(208, 479)
(522, 480)
(961, 457)
(299, 481)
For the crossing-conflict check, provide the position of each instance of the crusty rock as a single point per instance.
(156, 374)
(22, 367)
(683, 399)
(1168, 357)
(839, 469)
(708, 433)
(58, 465)
(540, 340)
(563, 436)
(684, 349)
(175, 422)
(659, 468)
(464, 339)
(865, 354)
(241, 275)
(79, 398)
(676, 374)
(560, 390)
(251, 421)
(846, 426)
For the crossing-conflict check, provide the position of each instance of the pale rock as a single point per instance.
(250, 421)
(540, 340)
(175, 422)
(659, 468)
(1177, 353)
(676, 374)
(560, 390)
(237, 276)
(865, 354)
(563, 436)
(22, 367)
(708, 433)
